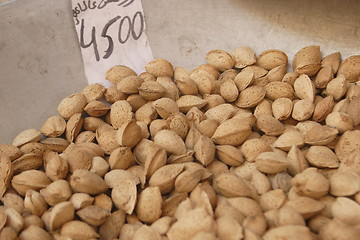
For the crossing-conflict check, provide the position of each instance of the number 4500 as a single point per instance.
(123, 37)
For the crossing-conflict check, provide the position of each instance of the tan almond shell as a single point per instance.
(32, 231)
(87, 182)
(271, 162)
(282, 108)
(30, 179)
(6, 173)
(93, 215)
(129, 134)
(53, 127)
(170, 141)
(231, 132)
(110, 229)
(78, 230)
(120, 113)
(113, 95)
(276, 74)
(231, 185)
(229, 91)
(93, 92)
(269, 125)
(204, 149)
(186, 102)
(164, 177)
(275, 90)
(73, 127)
(289, 232)
(124, 195)
(304, 88)
(96, 108)
(72, 104)
(288, 139)
(333, 61)
(271, 58)
(26, 136)
(252, 147)
(244, 78)
(26, 162)
(172, 91)
(350, 68)
(347, 143)
(220, 59)
(160, 67)
(337, 87)
(116, 73)
(148, 207)
(244, 56)
(297, 161)
(250, 97)
(320, 135)
(323, 77)
(205, 82)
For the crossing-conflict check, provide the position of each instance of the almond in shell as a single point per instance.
(26, 136)
(307, 60)
(124, 195)
(250, 97)
(269, 125)
(53, 127)
(93, 92)
(116, 73)
(244, 56)
(164, 177)
(220, 59)
(160, 67)
(170, 141)
(72, 104)
(271, 162)
(87, 182)
(350, 68)
(231, 132)
(304, 88)
(148, 207)
(272, 58)
(321, 156)
(76, 229)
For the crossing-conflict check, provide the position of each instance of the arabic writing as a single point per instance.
(90, 5)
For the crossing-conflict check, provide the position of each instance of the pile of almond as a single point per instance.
(237, 148)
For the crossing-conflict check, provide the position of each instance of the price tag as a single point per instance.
(111, 32)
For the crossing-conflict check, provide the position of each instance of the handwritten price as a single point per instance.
(123, 35)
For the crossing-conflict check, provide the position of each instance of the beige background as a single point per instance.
(40, 61)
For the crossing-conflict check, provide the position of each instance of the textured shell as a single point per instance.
(272, 58)
(93, 92)
(220, 59)
(120, 113)
(244, 56)
(53, 127)
(29, 135)
(250, 97)
(269, 125)
(232, 132)
(160, 68)
(72, 104)
(116, 73)
(170, 141)
(350, 68)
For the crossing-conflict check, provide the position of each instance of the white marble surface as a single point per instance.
(40, 62)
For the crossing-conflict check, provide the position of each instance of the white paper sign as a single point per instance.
(111, 32)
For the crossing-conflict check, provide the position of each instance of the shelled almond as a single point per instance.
(236, 148)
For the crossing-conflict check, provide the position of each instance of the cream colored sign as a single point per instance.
(111, 32)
